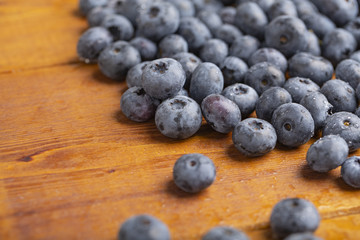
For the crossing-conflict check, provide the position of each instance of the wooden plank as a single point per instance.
(38, 33)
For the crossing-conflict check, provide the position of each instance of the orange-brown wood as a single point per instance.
(73, 167)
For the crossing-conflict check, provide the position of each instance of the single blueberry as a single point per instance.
(206, 79)
(243, 47)
(132, 9)
(189, 62)
(220, 113)
(227, 14)
(194, 172)
(138, 106)
(318, 106)
(318, 23)
(254, 137)
(147, 48)
(178, 117)
(92, 42)
(349, 71)
(96, 16)
(350, 171)
(312, 45)
(327, 153)
(119, 27)
(299, 87)
(116, 60)
(143, 227)
(264, 4)
(355, 56)
(215, 51)
(347, 126)
(211, 19)
(293, 123)
(224, 233)
(305, 7)
(163, 78)
(340, 94)
(85, 6)
(133, 76)
(244, 96)
(228, 33)
(171, 45)
(281, 8)
(234, 70)
(186, 7)
(270, 100)
(263, 76)
(293, 215)
(270, 55)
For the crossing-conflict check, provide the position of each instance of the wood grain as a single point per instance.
(73, 167)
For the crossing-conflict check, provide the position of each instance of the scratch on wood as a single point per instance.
(29, 158)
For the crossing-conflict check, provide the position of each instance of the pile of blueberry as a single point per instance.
(222, 60)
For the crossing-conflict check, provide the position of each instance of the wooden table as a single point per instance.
(73, 167)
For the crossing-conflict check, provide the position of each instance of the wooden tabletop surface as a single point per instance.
(73, 167)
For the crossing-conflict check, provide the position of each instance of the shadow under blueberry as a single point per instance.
(237, 156)
(344, 186)
(101, 78)
(174, 190)
(311, 175)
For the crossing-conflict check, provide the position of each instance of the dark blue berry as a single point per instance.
(194, 172)
(350, 171)
(206, 79)
(96, 16)
(305, 7)
(227, 14)
(355, 56)
(293, 215)
(119, 27)
(340, 94)
(143, 227)
(349, 71)
(318, 23)
(254, 137)
(224, 233)
(171, 45)
(132, 9)
(299, 87)
(234, 70)
(264, 4)
(92, 42)
(306, 65)
(178, 117)
(133, 76)
(263, 76)
(215, 51)
(312, 45)
(270, 100)
(228, 33)
(270, 55)
(116, 60)
(163, 78)
(211, 19)
(318, 106)
(189, 62)
(347, 126)
(282, 7)
(85, 6)
(186, 7)
(243, 47)
(327, 153)
(293, 123)
(147, 48)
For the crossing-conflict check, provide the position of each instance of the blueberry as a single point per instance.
(234, 70)
(146, 48)
(189, 62)
(211, 5)
(138, 106)
(243, 47)
(312, 45)
(183, 92)
(263, 76)
(338, 45)
(132, 9)
(349, 71)
(227, 14)
(302, 236)
(119, 27)
(224, 233)
(293, 123)
(215, 51)
(171, 45)
(194, 31)
(206, 79)
(92, 42)
(157, 20)
(264, 4)
(299, 87)
(319, 23)
(340, 94)
(306, 65)
(133, 76)
(350, 171)
(186, 7)
(282, 7)
(287, 34)
(163, 78)
(228, 33)
(305, 7)
(244, 96)
(210, 19)
(355, 56)
(327, 153)
(85, 6)
(270, 55)
(117, 6)
(270, 100)
(178, 117)
(96, 16)
(116, 60)
(339, 11)
(293, 215)
(251, 19)
(254, 137)
(194, 172)
(143, 227)
(220, 113)
(347, 126)
(318, 106)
